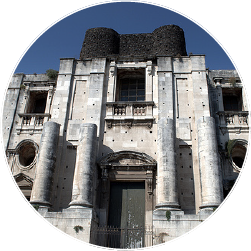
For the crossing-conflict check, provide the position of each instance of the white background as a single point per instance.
(22, 22)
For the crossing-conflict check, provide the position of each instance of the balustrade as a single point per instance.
(129, 108)
(32, 121)
(119, 110)
(129, 113)
(233, 118)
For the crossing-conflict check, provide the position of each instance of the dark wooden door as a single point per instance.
(127, 213)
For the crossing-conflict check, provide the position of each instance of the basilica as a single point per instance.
(131, 145)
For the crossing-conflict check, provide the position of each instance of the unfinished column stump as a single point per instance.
(83, 175)
(41, 191)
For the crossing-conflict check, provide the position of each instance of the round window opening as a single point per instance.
(238, 154)
(27, 154)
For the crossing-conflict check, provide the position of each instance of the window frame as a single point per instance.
(34, 97)
(232, 94)
(135, 90)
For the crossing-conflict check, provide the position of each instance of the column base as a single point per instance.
(165, 214)
(207, 209)
(80, 204)
(210, 206)
(171, 206)
(40, 203)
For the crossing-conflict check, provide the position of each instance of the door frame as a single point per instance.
(128, 166)
(132, 235)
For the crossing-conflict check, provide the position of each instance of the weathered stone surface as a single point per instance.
(42, 187)
(85, 165)
(211, 179)
(167, 195)
(169, 140)
(167, 40)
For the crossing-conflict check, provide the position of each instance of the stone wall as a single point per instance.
(168, 40)
(168, 225)
(76, 222)
(173, 126)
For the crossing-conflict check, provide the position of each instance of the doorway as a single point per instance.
(127, 213)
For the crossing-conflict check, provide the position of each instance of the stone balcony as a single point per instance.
(129, 113)
(32, 122)
(233, 121)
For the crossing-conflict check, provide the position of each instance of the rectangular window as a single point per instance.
(37, 102)
(131, 85)
(132, 89)
(232, 99)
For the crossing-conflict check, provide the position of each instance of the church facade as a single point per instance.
(131, 145)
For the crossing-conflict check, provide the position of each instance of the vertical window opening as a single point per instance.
(232, 99)
(131, 85)
(37, 102)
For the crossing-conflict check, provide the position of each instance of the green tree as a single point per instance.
(52, 74)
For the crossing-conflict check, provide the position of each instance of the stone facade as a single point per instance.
(133, 109)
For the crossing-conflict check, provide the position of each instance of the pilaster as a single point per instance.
(167, 193)
(149, 81)
(10, 108)
(95, 94)
(165, 87)
(219, 93)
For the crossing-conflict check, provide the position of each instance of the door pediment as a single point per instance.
(23, 180)
(127, 158)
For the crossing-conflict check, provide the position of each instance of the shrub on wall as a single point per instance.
(52, 74)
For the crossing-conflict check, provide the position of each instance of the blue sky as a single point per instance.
(65, 38)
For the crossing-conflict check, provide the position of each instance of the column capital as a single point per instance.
(217, 81)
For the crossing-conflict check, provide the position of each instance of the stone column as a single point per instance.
(85, 164)
(41, 190)
(210, 175)
(219, 93)
(167, 194)
(149, 81)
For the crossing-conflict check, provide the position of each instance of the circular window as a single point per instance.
(27, 152)
(238, 153)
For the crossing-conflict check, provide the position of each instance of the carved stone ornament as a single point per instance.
(125, 158)
(113, 68)
(26, 154)
(19, 177)
(109, 124)
(129, 123)
(149, 67)
(241, 146)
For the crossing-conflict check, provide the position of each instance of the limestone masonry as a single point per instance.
(133, 144)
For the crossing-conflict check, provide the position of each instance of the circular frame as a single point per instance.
(239, 143)
(29, 146)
